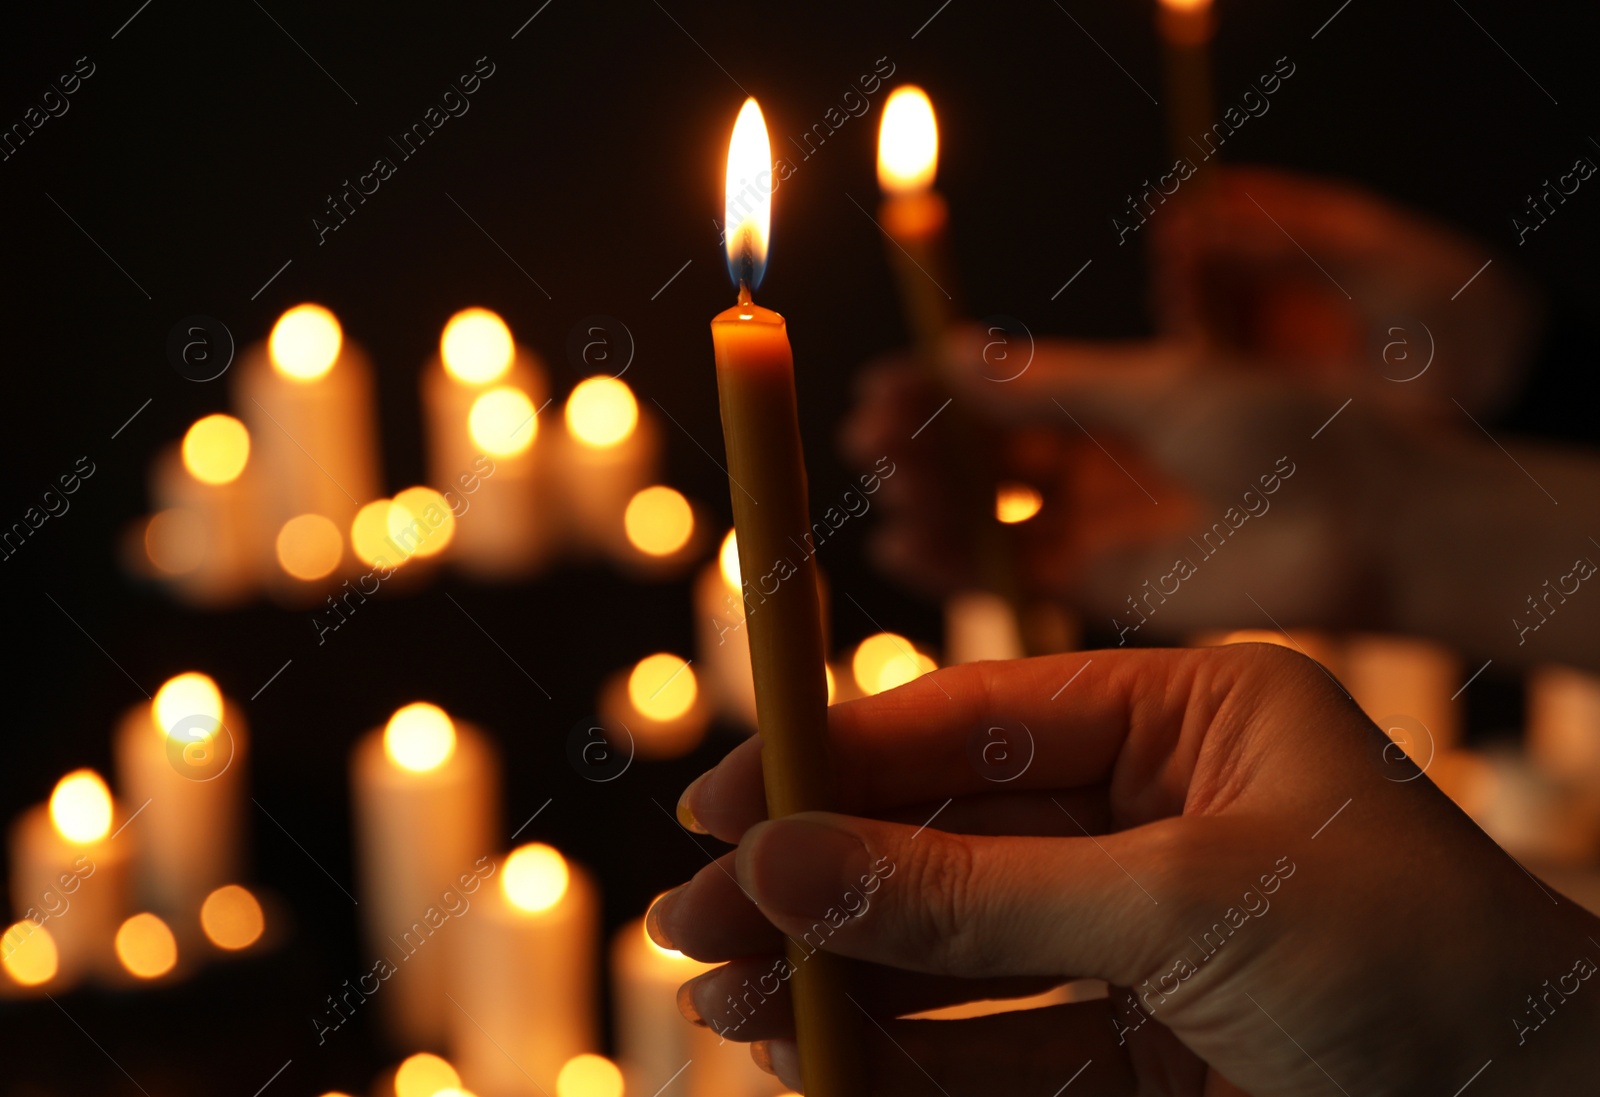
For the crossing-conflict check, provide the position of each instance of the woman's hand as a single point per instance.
(1281, 906)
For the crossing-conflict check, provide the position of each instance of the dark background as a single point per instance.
(205, 142)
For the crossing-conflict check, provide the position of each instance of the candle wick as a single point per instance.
(744, 292)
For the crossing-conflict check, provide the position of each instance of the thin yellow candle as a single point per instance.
(722, 650)
(767, 482)
(1186, 27)
(206, 544)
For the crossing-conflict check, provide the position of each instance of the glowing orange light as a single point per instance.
(419, 737)
(28, 954)
(658, 521)
(728, 561)
(908, 142)
(175, 540)
(1015, 503)
(80, 807)
(503, 421)
(424, 1075)
(535, 877)
(215, 449)
(305, 342)
(476, 346)
(369, 535)
(748, 187)
(231, 917)
(589, 1076)
(602, 412)
(309, 546)
(662, 687)
(429, 523)
(885, 660)
(190, 704)
(146, 946)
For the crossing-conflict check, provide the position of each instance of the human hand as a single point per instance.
(1235, 264)
(1281, 907)
(1177, 488)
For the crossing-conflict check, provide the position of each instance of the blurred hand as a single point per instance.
(1176, 489)
(1218, 833)
(1228, 269)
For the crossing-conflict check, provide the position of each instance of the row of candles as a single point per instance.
(284, 495)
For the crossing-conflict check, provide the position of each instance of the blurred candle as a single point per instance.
(885, 660)
(1405, 676)
(307, 398)
(28, 957)
(232, 918)
(767, 484)
(181, 762)
(664, 533)
(480, 398)
(655, 1042)
(425, 797)
(424, 1075)
(978, 626)
(589, 1075)
(207, 541)
(659, 701)
(146, 947)
(722, 649)
(1186, 27)
(525, 982)
(69, 875)
(1563, 725)
(610, 448)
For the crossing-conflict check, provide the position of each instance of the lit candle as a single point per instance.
(1186, 27)
(767, 482)
(589, 1075)
(663, 533)
(1403, 676)
(426, 808)
(1563, 724)
(610, 448)
(307, 398)
(29, 958)
(525, 982)
(722, 649)
(885, 661)
(480, 397)
(653, 1039)
(69, 876)
(231, 918)
(146, 947)
(915, 218)
(659, 701)
(980, 626)
(204, 537)
(181, 762)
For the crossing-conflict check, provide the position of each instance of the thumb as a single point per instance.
(952, 904)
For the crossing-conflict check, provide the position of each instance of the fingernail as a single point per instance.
(685, 812)
(652, 918)
(762, 1055)
(687, 1007)
(784, 1055)
(801, 867)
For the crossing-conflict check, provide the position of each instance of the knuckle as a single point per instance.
(945, 893)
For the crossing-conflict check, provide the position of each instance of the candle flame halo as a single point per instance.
(908, 142)
(305, 342)
(535, 877)
(146, 947)
(80, 807)
(28, 953)
(419, 737)
(589, 1075)
(186, 695)
(424, 1075)
(747, 205)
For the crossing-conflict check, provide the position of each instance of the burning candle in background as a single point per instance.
(761, 429)
(232, 918)
(307, 399)
(721, 647)
(884, 661)
(1186, 27)
(525, 982)
(978, 626)
(69, 873)
(424, 1075)
(146, 947)
(659, 701)
(654, 1042)
(610, 448)
(1404, 676)
(663, 533)
(589, 1075)
(1563, 725)
(181, 763)
(28, 957)
(426, 805)
(204, 537)
(480, 399)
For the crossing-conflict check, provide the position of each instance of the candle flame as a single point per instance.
(535, 877)
(305, 342)
(1015, 503)
(908, 142)
(215, 449)
(747, 209)
(662, 687)
(589, 1075)
(80, 807)
(424, 1075)
(419, 737)
(658, 521)
(1185, 5)
(231, 917)
(146, 946)
(28, 953)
